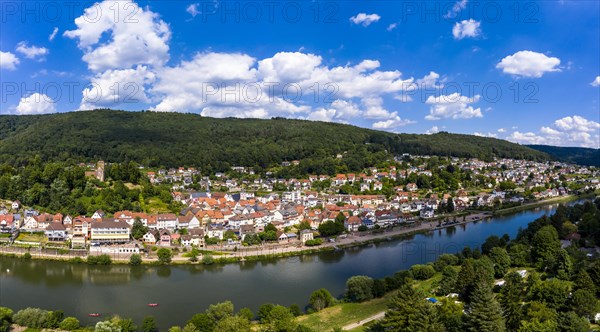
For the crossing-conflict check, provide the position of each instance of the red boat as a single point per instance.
(94, 315)
(153, 304)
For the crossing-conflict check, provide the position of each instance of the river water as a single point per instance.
(182, 291)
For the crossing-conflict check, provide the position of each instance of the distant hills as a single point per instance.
(581, 156)
(176, 139)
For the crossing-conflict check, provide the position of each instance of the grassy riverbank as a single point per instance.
(564, 199)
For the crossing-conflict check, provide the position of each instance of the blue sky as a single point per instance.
(524, 71)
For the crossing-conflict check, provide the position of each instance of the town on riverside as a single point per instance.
(239, 213)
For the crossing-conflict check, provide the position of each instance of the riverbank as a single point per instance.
(555, 200)
(274, 251)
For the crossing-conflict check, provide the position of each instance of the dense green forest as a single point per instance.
(581, 156)
(174, 139)
(559, 291)
(57, 187)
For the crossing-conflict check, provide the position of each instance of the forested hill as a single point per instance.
(174, 139)
(581, 156)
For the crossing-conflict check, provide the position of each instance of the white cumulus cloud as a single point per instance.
(528, 64)
(31, 52)
(453, 106)
(568, 131)
(113, 88)
(365, 19)
(36, 104)
(432, 130)
(393, 123)
(466, 28)
(596, 82)
(8, 61)
(137, 37)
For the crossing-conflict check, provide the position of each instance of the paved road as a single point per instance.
(377, 316)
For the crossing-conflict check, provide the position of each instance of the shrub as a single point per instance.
(295, 310)
(422, 272)
(27, 256)
(99, 260)
(207, 259)
(321, 299)
(135, 259)
(164, 255)
(76, 260)
(6, 315)
(69, 324)
(359, 288)
(31, 317)
(315, 242)
(149, 324)
(54, 318)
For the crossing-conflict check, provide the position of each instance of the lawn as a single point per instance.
(155, 205)
(427, 285)
(343, 314)
(32, 237)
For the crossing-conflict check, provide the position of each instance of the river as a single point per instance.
(183, 291)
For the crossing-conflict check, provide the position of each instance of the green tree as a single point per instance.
(138, 229)
(246, 313)
(264, 310)
(220, 310)
(107, 326)
(466, 280)
(321, 299)
(379, 288)
(164, 255)
(563, 266)
(232, 324)
(511, 297)
(451, 315)
(584, 281)
(31, 317)
(359, 288)
(6, 315)
(519, 254)
(585, 303)
(126, 325)
(545, 245)
(422, 272)
(570, 322)
(501, 260)
(445, 260)
(553, 292)
(149, 324)
(539, 318)
(202, 322)
(448, 282)
(295, 310)
(69, 324)
(54, 318)
(408, 311)
(331, 228)
(135, 259)
(190, 328)
(280, 319)
(485, 313)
